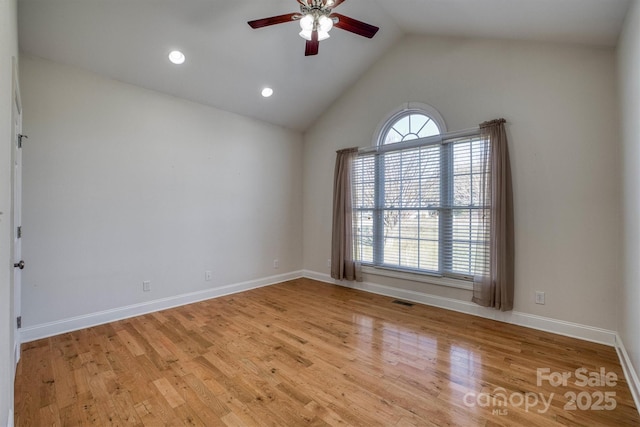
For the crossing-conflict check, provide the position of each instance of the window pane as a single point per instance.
(402, 177)
(461, 226)
(462, 190)
(410, 163)
(410, 179)
(430, 129)
(391, 219)
(429, 225)
(429, 255)
(363, 235)
(364, 196)
(430, 193)
(429, 234)
(469, 240)
(430, 162)
(477, 182)
(409, 233)
(461, 158)
(392, 251)
(409, 253)
(461, 257)
(411, 193)
(364, 182)
(402, 126)
(392, 193)
(417, 122)
(393, 136)
(430, 176)
(478, 156)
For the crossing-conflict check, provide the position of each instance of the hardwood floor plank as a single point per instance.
(72, 415)
(50, 416)
(210, 409)
(303, 353)
(132, 345)
(66, 390)
(232, 420)
(169, 393)
(126, 408)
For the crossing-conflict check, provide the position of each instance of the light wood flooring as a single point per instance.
(303, 353)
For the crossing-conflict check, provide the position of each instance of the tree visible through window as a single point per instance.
(416, 202)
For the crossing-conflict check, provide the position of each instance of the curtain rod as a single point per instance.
(436, 139)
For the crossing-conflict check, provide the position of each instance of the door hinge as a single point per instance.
(19, 232)
(19, 321)
(20, 136)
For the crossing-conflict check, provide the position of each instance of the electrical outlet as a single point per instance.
(276, 264)
(539, 297)
(146, 286)
(208, 276)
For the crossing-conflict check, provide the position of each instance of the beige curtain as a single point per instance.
(495, 286)
(343, 265)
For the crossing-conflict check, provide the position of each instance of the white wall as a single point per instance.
(8, 50)
(561, 107)
(629, 66)
(122, 185)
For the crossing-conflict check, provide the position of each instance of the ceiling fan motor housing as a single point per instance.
(316, 8)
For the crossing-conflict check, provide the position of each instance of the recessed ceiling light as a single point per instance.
(267, 92)
(176, 57)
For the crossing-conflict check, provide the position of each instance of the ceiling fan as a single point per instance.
(316, 20)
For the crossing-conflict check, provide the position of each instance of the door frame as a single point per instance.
(16, 211)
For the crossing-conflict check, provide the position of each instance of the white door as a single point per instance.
(17, 213)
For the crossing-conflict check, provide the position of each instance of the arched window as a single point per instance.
(408, 122)
(417, 204)
(410, 126)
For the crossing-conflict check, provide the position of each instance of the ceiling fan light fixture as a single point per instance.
(323, 35)
(306, 23)
(325, 23)
(305, 34)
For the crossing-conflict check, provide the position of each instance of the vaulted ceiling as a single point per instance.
(228, 63)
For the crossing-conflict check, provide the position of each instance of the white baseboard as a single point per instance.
(560, 327)
(10, 418)
(629, 371)
(35, 332)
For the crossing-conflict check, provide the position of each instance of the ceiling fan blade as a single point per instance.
(353, 25)
(313, 45)
(280, 19)
(336, 3)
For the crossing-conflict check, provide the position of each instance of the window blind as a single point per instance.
(423, 206)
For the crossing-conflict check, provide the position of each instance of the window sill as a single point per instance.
(417, 277)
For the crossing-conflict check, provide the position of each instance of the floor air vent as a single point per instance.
(405, 303)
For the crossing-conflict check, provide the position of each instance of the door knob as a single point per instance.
(19, 265)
